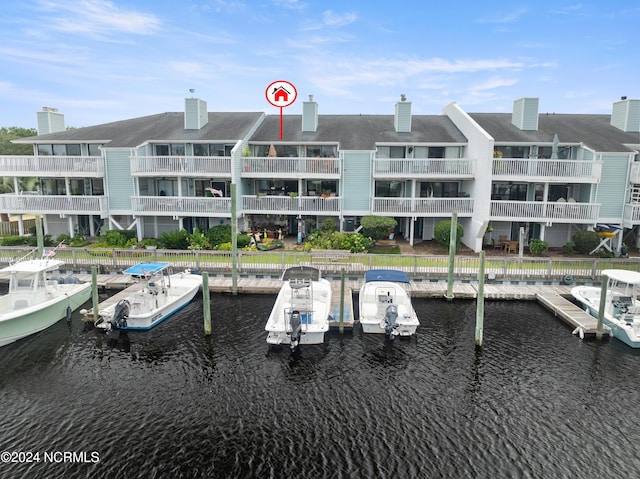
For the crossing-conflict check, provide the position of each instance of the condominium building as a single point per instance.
(546, 175)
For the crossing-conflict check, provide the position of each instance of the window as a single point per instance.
(391, 152)
(290, 151)
(511, 152)
(321, 151)
(52, 186)
(436, 152)
(439, 189)
(200, 149)
(177, 149)
(162, 150)
(388, 189)
(45, 150)
(94, 149)
(73, 150)
(509, 191)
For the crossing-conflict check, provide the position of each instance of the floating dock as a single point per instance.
(348, 319)
(572, 314)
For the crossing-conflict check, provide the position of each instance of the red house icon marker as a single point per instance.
(280, 94)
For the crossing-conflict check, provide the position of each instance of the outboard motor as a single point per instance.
(390, 316)
(296, 329)
(120, 314)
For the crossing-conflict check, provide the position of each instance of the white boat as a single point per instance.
(34, 302)
(162, 295)
(621, 310)
(385, 304)
(300, 314)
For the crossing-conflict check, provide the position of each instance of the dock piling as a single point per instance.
(452, 255)
(206, 307)
(94, 293)
(480, 302)
(341, 324)
(603, 301)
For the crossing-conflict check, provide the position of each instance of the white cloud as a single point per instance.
(509, 17)
(98, 18)
(332, 19)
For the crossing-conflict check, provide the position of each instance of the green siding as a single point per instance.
(309, 116)
(612, 185)
(118, 173)
(525, 114)
(402, 119)
(356, 183)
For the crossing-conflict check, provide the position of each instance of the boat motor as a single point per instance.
(120, 313)
(390, 325)
(296, 329)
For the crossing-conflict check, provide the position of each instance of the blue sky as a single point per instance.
(99, 61)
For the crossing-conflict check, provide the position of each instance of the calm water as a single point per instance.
(534, 402)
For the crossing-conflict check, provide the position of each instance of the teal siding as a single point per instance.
(356, 183)
(525, 114)
(402, 119)
(612, 185)
(309, 116)
(626, 115)
(195, 113)
(119, 181)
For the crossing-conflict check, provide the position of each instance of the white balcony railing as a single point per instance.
(69, 166)
(631, 215)
(542, 211)
(423, 168)
(284, 167)
(283, 204)
(180, 206)
(192, 166)
(576, 171)
(423, 206)
(76, 205)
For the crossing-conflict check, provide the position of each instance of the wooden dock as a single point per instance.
(572, 314)
(348, 320)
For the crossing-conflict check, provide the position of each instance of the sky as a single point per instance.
(99, 61)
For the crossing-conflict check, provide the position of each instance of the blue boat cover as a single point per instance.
(391, 275)
(146, 269)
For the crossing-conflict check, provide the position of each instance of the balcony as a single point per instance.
(58, 204)
(423, 206)
(631, 215)
(180, 206)
(533, 169)
(545, 212)
(285, 167)
(58, 166)
(303, 205)
(423, 168)
(186, 166)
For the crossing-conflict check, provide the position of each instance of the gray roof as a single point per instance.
(221, 127)
(595, 131)
(359, 132)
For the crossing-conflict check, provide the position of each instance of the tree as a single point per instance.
(13, 133)
(7, 148)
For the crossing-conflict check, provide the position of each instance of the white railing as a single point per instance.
(300, 204)
(77, 205)
(631, 215)
(544, 211)
(191, 166)
(70, 166)
(423, 206)
(577, 171)
(293, 167)
(180, 206)
(423, 167)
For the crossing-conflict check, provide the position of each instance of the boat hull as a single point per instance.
(24, 322)
(588, 297)
(374, 300)
(146, 313)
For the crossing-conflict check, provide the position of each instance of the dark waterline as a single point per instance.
(534, 402)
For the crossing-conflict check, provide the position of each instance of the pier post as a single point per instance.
(94, 293)
(39, 236)
(480, 302)
(603, 301)
(452, 255)
(206, 307)
(234, 241)
(341, 324)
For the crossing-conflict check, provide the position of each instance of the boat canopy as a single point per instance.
(33, 266)
(391, 275)
(623, 275)
(302, 273)
(146, 269)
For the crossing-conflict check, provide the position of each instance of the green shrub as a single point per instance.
(177, 239)
(219, 234)
(14, 240)
(568, 247)
(198, 240)
(377, 227)
(586, 241)
(117, 238)
(442, 233)
(243, 240)
(538, 247)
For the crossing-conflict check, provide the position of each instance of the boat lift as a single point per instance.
(607, 233)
